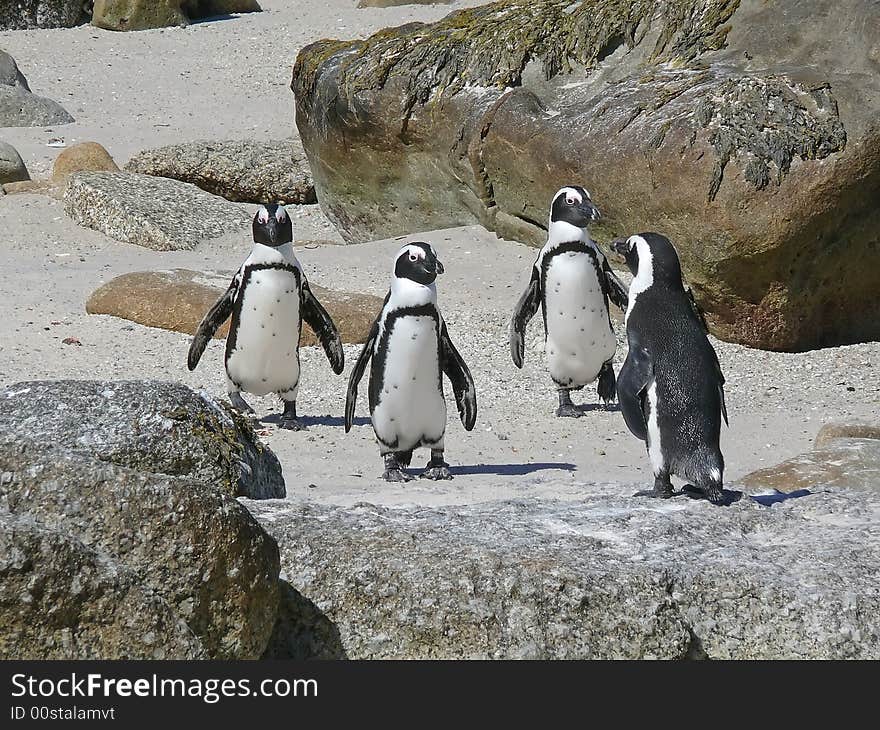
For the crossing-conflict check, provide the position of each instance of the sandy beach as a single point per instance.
(229, 79)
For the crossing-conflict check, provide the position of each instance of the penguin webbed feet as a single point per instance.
(567, 409)
(394, 468)
(240, 404)
(662, 488)
(436, 469)
(713, 493)
(289, 420)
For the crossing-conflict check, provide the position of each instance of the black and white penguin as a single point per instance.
(268, 299)
(411, 350)
(572, 283)
(671, 388)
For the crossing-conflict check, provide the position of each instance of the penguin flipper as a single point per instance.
(698, 312)
(462, 381)
(614, 287)
(357, 371)
(525, 309)
(216, 316)
(632, 387)
(320, 321)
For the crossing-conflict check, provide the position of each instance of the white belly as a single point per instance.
(411, 410)
(579, 337)
(266, 355)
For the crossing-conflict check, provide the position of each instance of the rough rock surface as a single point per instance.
(746, 133)
(609, 576)
(393, 3)
(59, 599)
(29, 14)
(241, 170)
(79, 461)
(145, 14)
(861, 429)
(158, 213)
(178, 299)
(21, 108)
(82, 157)
(149, 426)
(12, 167)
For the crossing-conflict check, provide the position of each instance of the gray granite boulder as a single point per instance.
(746, 132)
(149, 426)
(21, 108)
(29, 14)
(607, 576)
(154, 212)
(244, 171)
(60, 599)
(12, 167)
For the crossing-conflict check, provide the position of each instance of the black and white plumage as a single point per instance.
(671, 388)
(410, 350)
(268, 299)
(572, 283)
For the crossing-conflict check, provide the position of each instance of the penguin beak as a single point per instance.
(619, 245)
(439, 267)
(589, 211)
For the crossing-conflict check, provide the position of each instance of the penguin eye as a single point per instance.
(413, 257)
(570, 201)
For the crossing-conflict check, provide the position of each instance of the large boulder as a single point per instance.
(178, 299)
(137, 504)
(12, 167)
(29, 14)
(154, 212)
(21, 108)
(748, 134)
(60, 599)
(606, 576)
(150, 426)
(246, 171)
(146, 14)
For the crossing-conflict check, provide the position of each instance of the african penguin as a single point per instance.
(572, 283)
(268, 298)
(671, 388)
(411, 350)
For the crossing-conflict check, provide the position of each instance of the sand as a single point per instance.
(230, 79)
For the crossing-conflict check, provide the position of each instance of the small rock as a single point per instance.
(71, 341)
(83, 157)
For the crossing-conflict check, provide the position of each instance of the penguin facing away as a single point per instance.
(411, 350)
(268, 299)
(572, 282)
(671, 388)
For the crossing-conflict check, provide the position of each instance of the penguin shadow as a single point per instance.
(275, 418)
(509, 470)
(593, 407)
(768, 500)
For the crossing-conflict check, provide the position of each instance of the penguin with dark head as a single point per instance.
(410, 350)
(268, 299)
(572, 283)
(671, 388)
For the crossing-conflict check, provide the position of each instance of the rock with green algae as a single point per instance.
(755, 148)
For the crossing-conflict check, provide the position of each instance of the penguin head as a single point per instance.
(573, 205)
(272, 226)
(652, 254)
(418, 262)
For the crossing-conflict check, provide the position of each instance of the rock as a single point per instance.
(842, 430)
(178, 299)
(145, 14)
(12, 167)
(21, 108)
(841, 462)
(162, 214)
(608, 576)
(41, 187)
(394, 3)
(9, 73)
(152, 426)
(29, 14)
(184, 540)
(240, 170)
(83, 157)
(59, 599)
(755, 148)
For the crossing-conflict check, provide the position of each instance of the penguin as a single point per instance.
(411, 350)
(572, 283)
(671, 388)
(268, 299)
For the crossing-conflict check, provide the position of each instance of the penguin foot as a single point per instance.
(712, 493)
(240, 404)
(569, 410)
(396, 474)
(292, 424)
(436, 472)
(662, 489)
